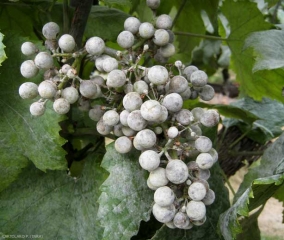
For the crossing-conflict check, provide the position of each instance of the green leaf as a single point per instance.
(266, 46)
(250, 227)
(53, 204)
(16, 18)
(23, 136)
(2, 52)
(244, 18)
(105, 22)
(258, 193)
(207, 231)
(126, 198)
(191, 13)
(268, 166)
(270, 114)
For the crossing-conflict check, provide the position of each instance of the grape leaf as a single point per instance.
(191, 12)
(270, 114)
(2, 52)
(250, 227)
(258, 193)
(125, 198)
(267, 46)
(268, 166)
(105, 22)
(207, 231)
(245, 18)
(53, 204)
(23, 136)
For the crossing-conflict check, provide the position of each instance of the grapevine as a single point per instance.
(142, 107)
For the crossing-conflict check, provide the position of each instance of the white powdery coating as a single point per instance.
(164, 196)
(207, 93)
(149, 160)
(164, 115)
(132, 24)
(137, 144)
(61, 106)
(37, 108)
(146, 30)
(70, 94)
(203, 144)
(28, 69)
(195, 210)
(50, 30)
(149, 184)
(140, 87)
(184, 117)
(98, 80)
(67, 43)
(158, 130)
(136, 121)
(129, 132)
(123, 144)
(153, 4)
(198, 78)
(164, 214)
(172, 132)
(96, 113)
(132, 101)
(123, 117)
(181, 221)
(158, 75)
(177, 171)
(151, 110)
(65, 68)
(197, 113)
(210, 118)
(28, 48)
(178, 84)
(127, 88)
(157, 178)
(95, 46)
(111, 118)
(202, 174)
(117, 130)
(47, 89)
(43, 60)
(28, 90)
(161, 37)
(125, 39)
(164, 21)
(88, 89)
(116, 78)
(170, 225)
(100, 61)
(146, 138)
(204, 161)
(209, 197)
(173, 102)
(197, 191)
(188, 71)
(214, 154)
(102, 128)
(199, 222)
(168, 50)
(110, 64)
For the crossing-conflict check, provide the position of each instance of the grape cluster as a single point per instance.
(142, 107)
